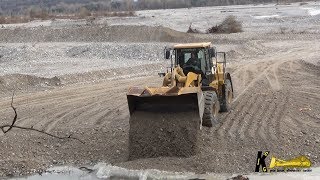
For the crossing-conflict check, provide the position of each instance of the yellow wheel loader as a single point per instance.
(166, 120)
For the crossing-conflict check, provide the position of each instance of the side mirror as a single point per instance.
(167, 54)
(212, 52)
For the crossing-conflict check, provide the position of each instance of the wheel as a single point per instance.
(227, 96)
(211, 109)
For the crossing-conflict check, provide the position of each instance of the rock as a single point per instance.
(239, 177)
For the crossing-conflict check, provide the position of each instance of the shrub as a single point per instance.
(192, 30)
(118, 14)
(38, 14)
(229, 25)
(84, 12)
(124, 13)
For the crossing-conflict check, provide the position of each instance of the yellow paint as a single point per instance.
(299, 162)
(192, 45)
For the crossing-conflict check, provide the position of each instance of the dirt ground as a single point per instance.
(276, 106)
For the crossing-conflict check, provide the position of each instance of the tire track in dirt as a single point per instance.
(298, 103)
(226, 119)
(69, 93)
(229, 118)
(305, 101)
(299, 111)
(238, 75)
(71, 115)
(72, 106)
(310, 95)
(304, 123)
(262, 124)
(281, 111)
(272, 119)
(250, 117)
(63, 108)
(246, 109)
(257, 77)
(251, 76)
(272, 114)
(301, 102)
(272, 77)
(88, 114)
(114, 113)
(253, 129)
(289, 124)
(250, 105)
(265, 128)
(236, 124)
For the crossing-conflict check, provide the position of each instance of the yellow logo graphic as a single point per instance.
(299, 162)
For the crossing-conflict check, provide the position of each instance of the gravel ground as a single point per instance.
(54, 59)
(70, 81)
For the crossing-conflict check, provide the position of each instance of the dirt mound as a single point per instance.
(95, 34)
(113, 74)
(22, 82)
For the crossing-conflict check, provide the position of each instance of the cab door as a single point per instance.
(209, 67)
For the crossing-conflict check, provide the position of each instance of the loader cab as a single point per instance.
(197, 58)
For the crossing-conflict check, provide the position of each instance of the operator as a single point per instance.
(193, 62)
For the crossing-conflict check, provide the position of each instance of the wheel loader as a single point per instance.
(167, 120)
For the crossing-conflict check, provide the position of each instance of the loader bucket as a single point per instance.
(163, 125)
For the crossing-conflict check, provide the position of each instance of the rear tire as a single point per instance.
(211, 109)
(227, 96)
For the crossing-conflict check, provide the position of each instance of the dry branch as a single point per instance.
(14, 119)
(6, 128)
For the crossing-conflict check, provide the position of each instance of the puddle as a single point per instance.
(266, 17)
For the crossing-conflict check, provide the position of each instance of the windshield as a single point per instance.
(185, 56)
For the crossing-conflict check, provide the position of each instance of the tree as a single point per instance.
(115, 5)
(36, 13)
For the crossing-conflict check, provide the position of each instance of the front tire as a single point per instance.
(211, 109)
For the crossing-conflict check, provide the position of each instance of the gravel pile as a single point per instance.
(57, 59)
(95, 33)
